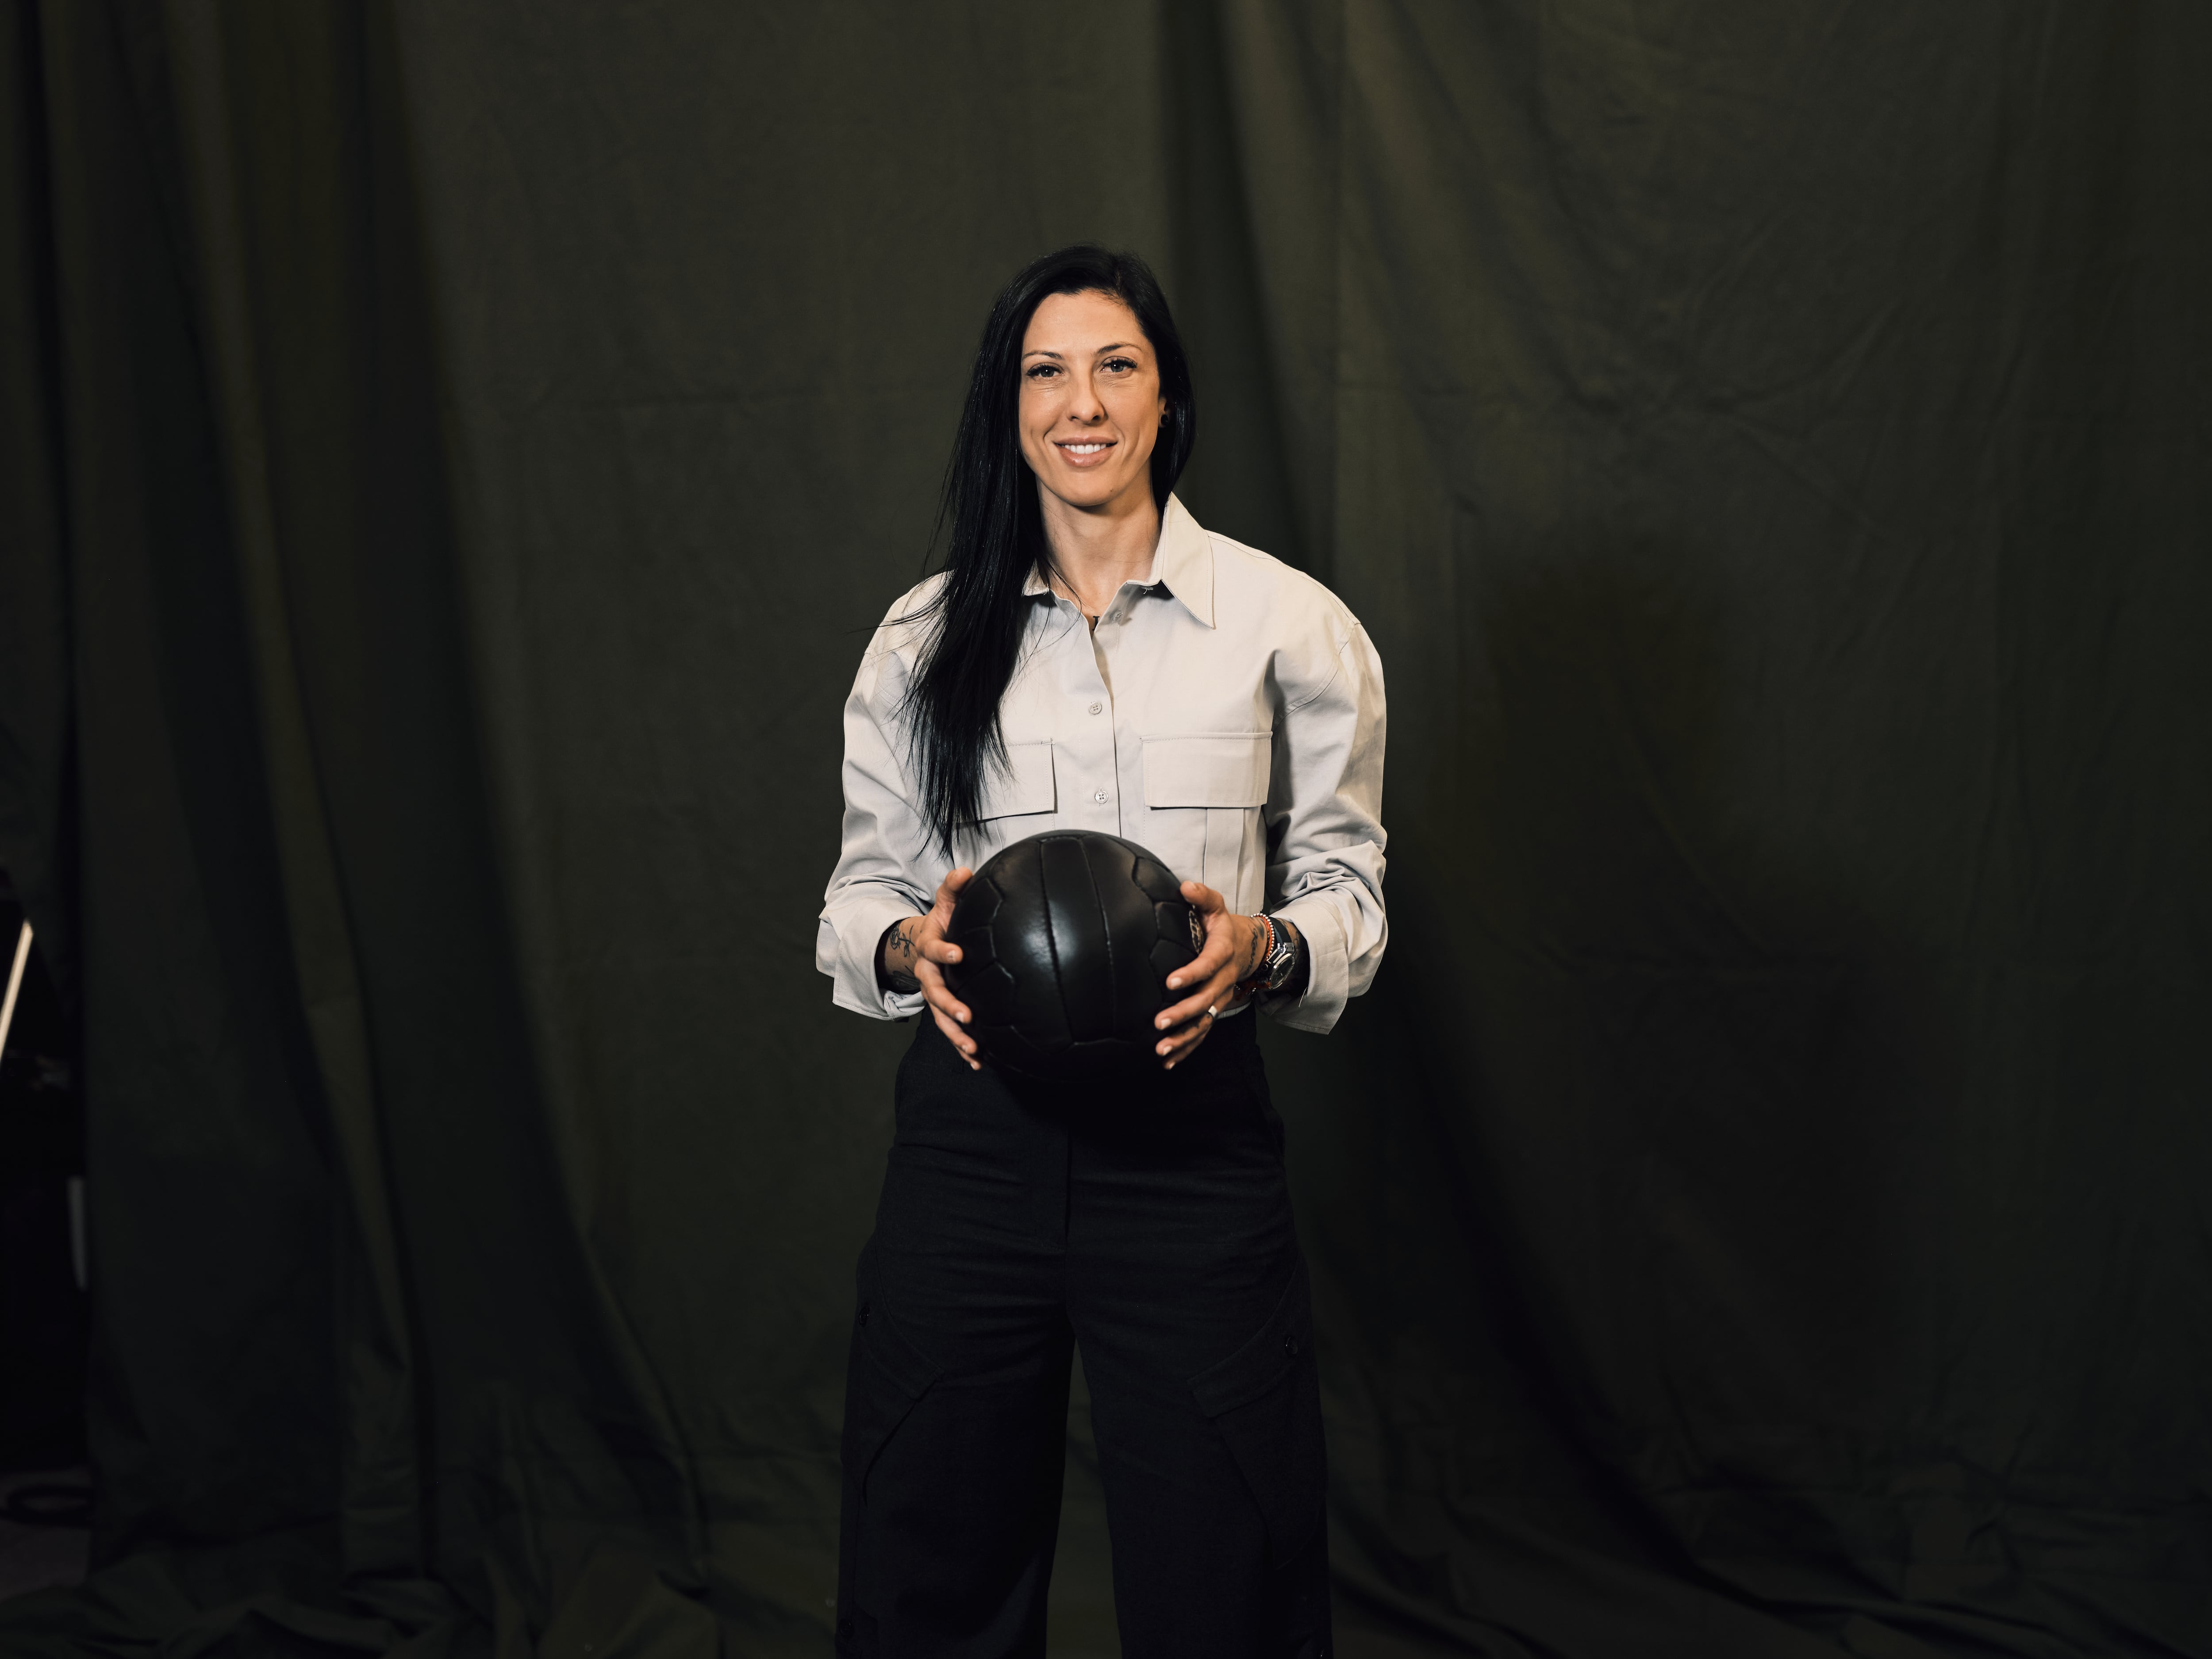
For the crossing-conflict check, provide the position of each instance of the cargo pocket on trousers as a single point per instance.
(1266, 1400)
(884, 1377)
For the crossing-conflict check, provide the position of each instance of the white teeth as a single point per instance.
(1083, 449)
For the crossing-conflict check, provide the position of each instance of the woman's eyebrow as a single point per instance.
(1097, 352)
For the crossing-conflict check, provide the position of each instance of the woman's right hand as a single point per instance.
(914, 953)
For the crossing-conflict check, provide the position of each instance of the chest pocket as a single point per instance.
(1026, 785)
(1223, 774)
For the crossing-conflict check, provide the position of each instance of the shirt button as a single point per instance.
(1097, 707)
(1100, 797)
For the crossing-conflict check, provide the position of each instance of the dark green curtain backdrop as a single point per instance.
(454, 452)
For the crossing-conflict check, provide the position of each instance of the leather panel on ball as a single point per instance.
(1039, 1011)
(1136, 988)
(1078, 938)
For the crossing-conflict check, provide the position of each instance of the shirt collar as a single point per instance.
(1183, 563)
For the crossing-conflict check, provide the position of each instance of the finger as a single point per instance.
(1204, 897)
(1217, 989)
(1218, 957)
(1177, 1041)
(935, 947)
(948, 891)
(1215, 993)
(959, 1039)
(1183, 1047)
(937, 993)
(1183, 1014)
(1228, 936)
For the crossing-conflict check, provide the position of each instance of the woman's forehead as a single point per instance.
(1069, 325)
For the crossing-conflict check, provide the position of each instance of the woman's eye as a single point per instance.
(1117, 364)
(1043, 371)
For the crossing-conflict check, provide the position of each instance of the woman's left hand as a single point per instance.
(1234, 945)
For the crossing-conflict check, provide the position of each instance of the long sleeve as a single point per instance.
(876, 881)
(1325, 871)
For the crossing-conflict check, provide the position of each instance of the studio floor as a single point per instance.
(34, 1557)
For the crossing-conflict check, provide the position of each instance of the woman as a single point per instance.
(1091, 659)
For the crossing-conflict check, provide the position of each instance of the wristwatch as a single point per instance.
(1279, 961)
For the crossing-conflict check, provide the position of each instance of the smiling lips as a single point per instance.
(1084, 452)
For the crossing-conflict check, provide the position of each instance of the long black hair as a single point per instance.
(990, 500)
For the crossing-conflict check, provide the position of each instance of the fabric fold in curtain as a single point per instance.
(283, 799)
(454, 455)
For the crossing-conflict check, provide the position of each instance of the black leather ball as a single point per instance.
(1067, 941)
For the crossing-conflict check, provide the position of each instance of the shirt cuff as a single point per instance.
(1328, 968)
(845, 949)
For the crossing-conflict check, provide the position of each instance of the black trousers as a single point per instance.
(1149, 1221)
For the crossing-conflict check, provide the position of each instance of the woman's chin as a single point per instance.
(1090, 492)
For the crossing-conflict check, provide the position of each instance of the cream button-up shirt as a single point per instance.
(1226, 715)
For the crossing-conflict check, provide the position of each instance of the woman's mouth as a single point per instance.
(1084, 452)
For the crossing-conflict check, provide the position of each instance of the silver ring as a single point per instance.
(1214, 1013)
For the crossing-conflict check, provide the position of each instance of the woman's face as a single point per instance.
(1090, 402)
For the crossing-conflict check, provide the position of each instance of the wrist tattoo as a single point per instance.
(1255, 949)
(895, 962)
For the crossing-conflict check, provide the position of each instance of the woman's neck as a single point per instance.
(1095, 549)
